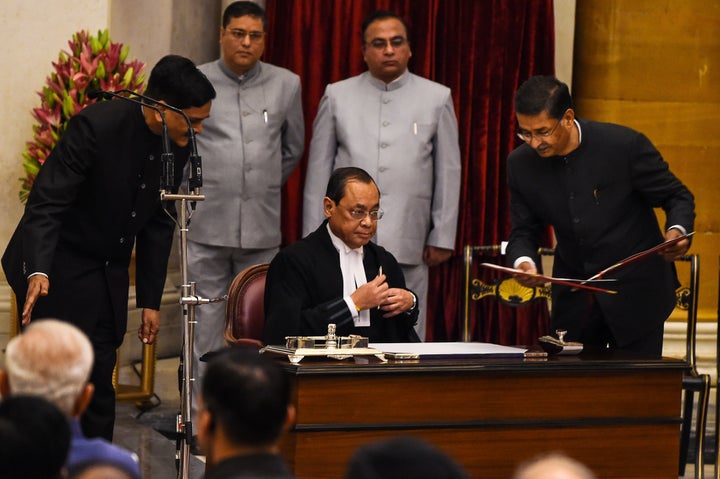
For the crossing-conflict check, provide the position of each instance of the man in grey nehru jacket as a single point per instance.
(254, 139)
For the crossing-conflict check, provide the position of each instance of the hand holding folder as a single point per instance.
(641, 255)
(598, 277)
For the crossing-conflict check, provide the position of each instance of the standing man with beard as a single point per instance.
(250, 146)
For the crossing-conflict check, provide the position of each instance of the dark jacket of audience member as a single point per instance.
(34, 438)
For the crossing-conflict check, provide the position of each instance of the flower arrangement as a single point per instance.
(93, 62)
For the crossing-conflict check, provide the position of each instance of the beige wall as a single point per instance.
(34, 33)
(159, 27)
(564, 11)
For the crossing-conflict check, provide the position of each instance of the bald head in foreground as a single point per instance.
(553, 466)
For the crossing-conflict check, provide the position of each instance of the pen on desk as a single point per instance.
(265, 117)
(415, 128)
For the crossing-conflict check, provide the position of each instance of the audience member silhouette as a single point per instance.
(53, 359)
(34, 438)
(243, 411)
(553, 466)
(407, 457)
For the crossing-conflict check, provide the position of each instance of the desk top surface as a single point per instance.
(584, 361)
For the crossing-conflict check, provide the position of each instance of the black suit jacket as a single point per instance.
(252, 466)
(599, 200)
(304, 293)
(96, 197)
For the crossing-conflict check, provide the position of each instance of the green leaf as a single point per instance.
(48, 97)
(127, 78)
(104, 37)
(68, 106)
(31, 166)
(100, 72)
(124, 53)
(56, 99)
(95, 45)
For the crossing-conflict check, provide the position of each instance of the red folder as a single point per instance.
(582, 283)
(640, 255)
(575, 283)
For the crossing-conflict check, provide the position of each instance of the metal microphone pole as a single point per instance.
(188, 298)
(188, 301)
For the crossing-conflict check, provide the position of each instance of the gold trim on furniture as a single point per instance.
(507, 290)
(146, 389)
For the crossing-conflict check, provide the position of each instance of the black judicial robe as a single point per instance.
(304, 293)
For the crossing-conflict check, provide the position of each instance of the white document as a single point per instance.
(447, 349)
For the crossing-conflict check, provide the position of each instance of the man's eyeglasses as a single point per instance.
(527, 136)
(240, 35)
(381, 43)
(358, 214)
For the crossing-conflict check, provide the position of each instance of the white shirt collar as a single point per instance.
(577, 123)
(340, 244)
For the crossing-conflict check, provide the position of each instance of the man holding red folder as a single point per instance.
(596, 184)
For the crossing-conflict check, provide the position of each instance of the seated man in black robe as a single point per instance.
(336, 275)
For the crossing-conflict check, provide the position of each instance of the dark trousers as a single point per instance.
(596, 335)
(99, 418)
(96, 321)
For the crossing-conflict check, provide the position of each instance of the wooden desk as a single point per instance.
(619, 415)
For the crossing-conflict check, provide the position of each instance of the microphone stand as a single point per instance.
(189, 298)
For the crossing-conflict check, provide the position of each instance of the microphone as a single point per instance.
(167, 179)
(195, 177)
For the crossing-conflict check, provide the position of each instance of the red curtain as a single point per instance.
(482, 50)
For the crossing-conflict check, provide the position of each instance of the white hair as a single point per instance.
(51, 359)
(554, 465)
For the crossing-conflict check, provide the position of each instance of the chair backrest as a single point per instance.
(686, 302)
(506, 289)
(245, 310)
